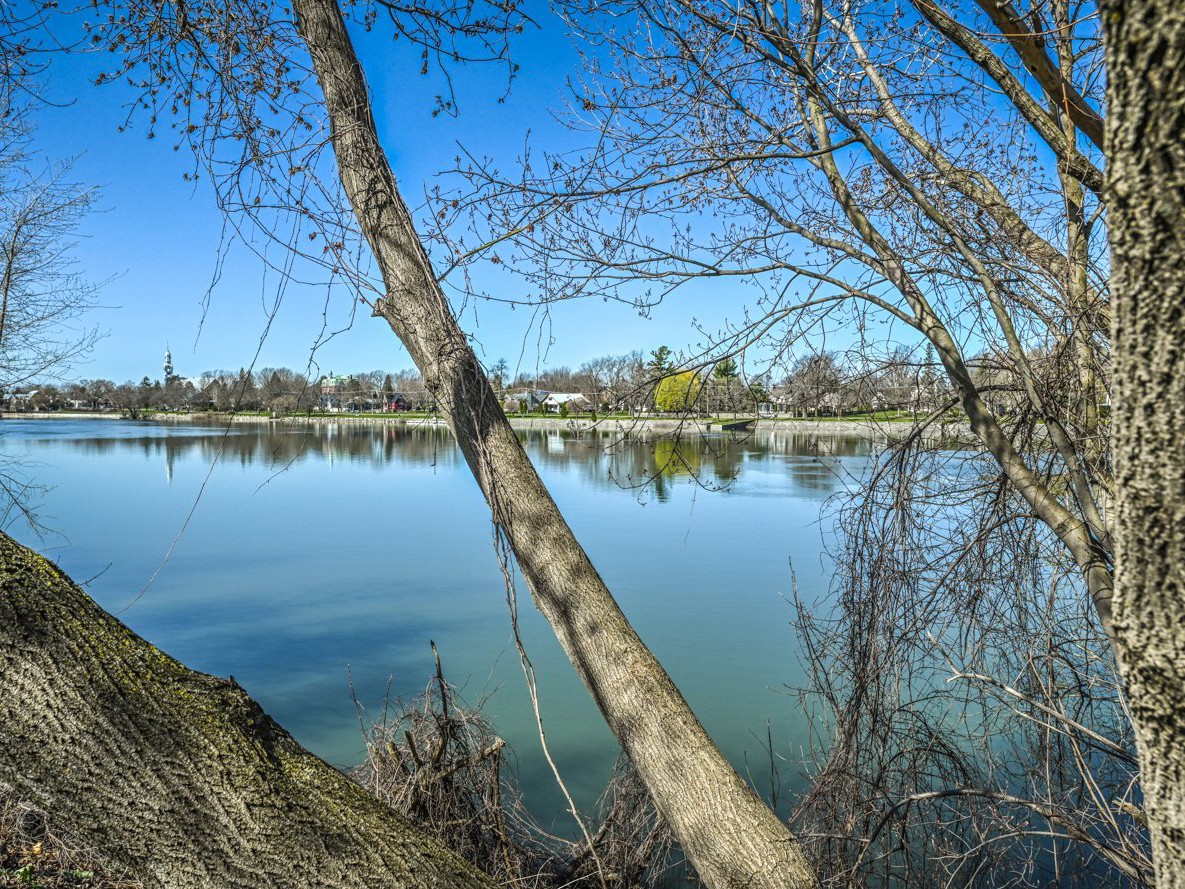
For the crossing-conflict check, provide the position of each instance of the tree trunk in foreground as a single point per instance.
(177, 775)
(1146, 176)
(728, 833)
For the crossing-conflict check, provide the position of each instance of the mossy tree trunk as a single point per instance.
(728, 833)
(178, 775)
(1146, 179)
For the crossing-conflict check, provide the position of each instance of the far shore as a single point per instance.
(61, 415)
(645, 426)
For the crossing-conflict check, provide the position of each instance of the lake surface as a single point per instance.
(305, 557)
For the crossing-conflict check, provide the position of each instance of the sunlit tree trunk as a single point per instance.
(177, 775)
(1146, 152)
(732, 838)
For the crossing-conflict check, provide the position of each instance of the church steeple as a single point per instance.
(168, 363)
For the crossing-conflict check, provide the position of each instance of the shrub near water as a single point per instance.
(442, 766)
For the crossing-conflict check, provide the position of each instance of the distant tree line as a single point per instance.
(818, 384)
(277, 389)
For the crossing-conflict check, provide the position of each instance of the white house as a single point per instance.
(554, 403)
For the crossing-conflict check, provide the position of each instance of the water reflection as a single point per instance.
(321, 554)
(650, 465)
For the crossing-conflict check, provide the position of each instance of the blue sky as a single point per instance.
(156, 236)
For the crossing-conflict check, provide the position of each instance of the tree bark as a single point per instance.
(731, 837)
(177, 775)
(1146, 156)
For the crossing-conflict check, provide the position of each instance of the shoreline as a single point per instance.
(644, 426)
(60, 415)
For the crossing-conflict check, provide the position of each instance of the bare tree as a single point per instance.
(260, 127)
(815, 385)
(933, 171)
(853, 189)
(43, 299)
(731, 837)
(1145, 52)
(938, 167)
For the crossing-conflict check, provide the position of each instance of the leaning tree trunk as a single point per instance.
(1146, 157)
(177, 775)
(731, 837)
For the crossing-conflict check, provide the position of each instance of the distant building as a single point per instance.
(526, 399)
(168, 368)
(557, 401)
(20, 401)
(334, 392)
(333, 383)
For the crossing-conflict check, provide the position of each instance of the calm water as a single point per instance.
(316, 553)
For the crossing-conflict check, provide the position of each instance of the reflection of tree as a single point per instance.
(677, 456)
(279, 445)
(792, 442)
(674, 457)
(816, 474)
(713, 462)
(601, 459)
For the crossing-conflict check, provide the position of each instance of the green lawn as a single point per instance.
(875, 416)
